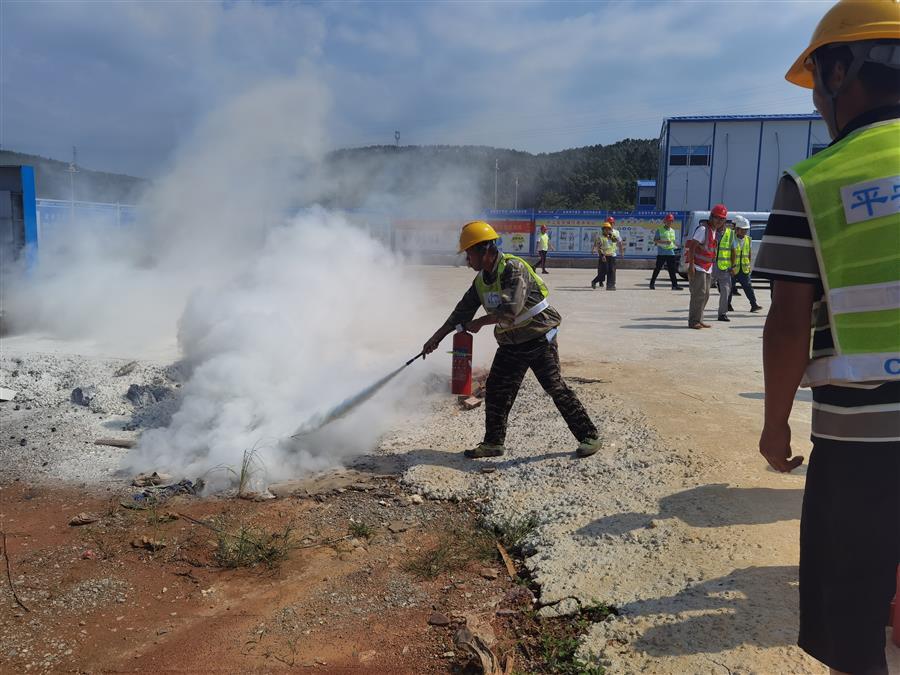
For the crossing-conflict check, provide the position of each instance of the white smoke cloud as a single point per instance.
(280, 312)
(307, 322)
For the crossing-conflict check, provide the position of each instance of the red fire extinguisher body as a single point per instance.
(461, 374)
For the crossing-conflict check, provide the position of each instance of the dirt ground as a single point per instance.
(350, 595)
(350, 603)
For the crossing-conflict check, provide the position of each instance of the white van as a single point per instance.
(758, 220)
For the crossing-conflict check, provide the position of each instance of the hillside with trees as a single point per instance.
(53, 180)
(591, 177)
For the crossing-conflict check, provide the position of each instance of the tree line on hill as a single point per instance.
(590, 177)
(435, 177)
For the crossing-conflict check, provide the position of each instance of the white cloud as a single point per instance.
(125, 81)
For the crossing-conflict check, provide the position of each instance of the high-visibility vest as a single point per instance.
(543, 241)
(489, 294)
(742, 249)
(723, 254)
(608, 245)
(668, 235)
(705, 253)
(851, 191)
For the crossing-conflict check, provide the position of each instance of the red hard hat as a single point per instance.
(669, 218)
(719, 211)
(610, 219)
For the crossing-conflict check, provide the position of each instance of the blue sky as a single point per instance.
(128, 81)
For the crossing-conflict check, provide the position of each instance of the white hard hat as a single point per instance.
(741, 223)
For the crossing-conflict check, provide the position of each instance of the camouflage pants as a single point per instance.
(511, 362)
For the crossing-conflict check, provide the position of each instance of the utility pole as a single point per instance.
(496, 172)
(516, 202)
(73, 169)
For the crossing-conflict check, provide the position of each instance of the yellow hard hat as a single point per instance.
(848, 21)
(474, 233)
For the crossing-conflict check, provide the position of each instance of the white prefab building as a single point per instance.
(734, 160)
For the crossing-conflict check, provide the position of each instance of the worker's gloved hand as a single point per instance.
(775, 446)
(473, 326)
(432, 343)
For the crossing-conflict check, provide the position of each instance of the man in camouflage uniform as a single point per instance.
(515, 301)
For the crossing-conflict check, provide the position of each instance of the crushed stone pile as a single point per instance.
(617, 528)
(63, 403)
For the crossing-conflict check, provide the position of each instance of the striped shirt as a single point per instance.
(868, 412)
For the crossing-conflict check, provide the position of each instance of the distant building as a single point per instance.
(736, 160)
(645, 196)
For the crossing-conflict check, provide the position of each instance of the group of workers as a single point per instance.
(832, 252)
(716, 252)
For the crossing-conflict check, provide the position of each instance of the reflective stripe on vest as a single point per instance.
(723, 252)
(851, 194)
(489, 294)
(743, 247)
(668, 235)
(705, 253)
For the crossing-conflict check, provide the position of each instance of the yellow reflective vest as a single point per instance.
(489, 294)
(851, 191)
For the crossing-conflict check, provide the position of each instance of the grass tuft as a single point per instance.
(458, 544)
(361, 530)
(251, 546)
(512, 533)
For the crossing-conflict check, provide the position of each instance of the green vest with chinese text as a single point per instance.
(489, 294)
(851, 194)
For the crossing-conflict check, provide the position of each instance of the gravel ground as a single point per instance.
(629, 527)
(48, 436)
(676, 521)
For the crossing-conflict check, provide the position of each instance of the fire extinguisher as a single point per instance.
(461, 378)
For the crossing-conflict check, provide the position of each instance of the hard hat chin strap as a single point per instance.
(861, 52)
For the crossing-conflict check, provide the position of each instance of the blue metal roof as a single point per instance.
(646, 183)
(725, 118)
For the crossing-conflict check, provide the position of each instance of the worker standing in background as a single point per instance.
(610, 247)
(832, 251)
(665, 253)
(725, 269)
(700, 255)
(741, 247)
(543, 248)
(597, 247)
(514, 298)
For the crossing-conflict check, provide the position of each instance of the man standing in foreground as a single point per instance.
(543, 248)
(742, 247)
(665, 253)
(832, 250)
(700, 254)
(514, 298)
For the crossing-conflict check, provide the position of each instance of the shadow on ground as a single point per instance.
(750, 606)
(801, 395)
(714, 505)
(398, 463)
(656, 326)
